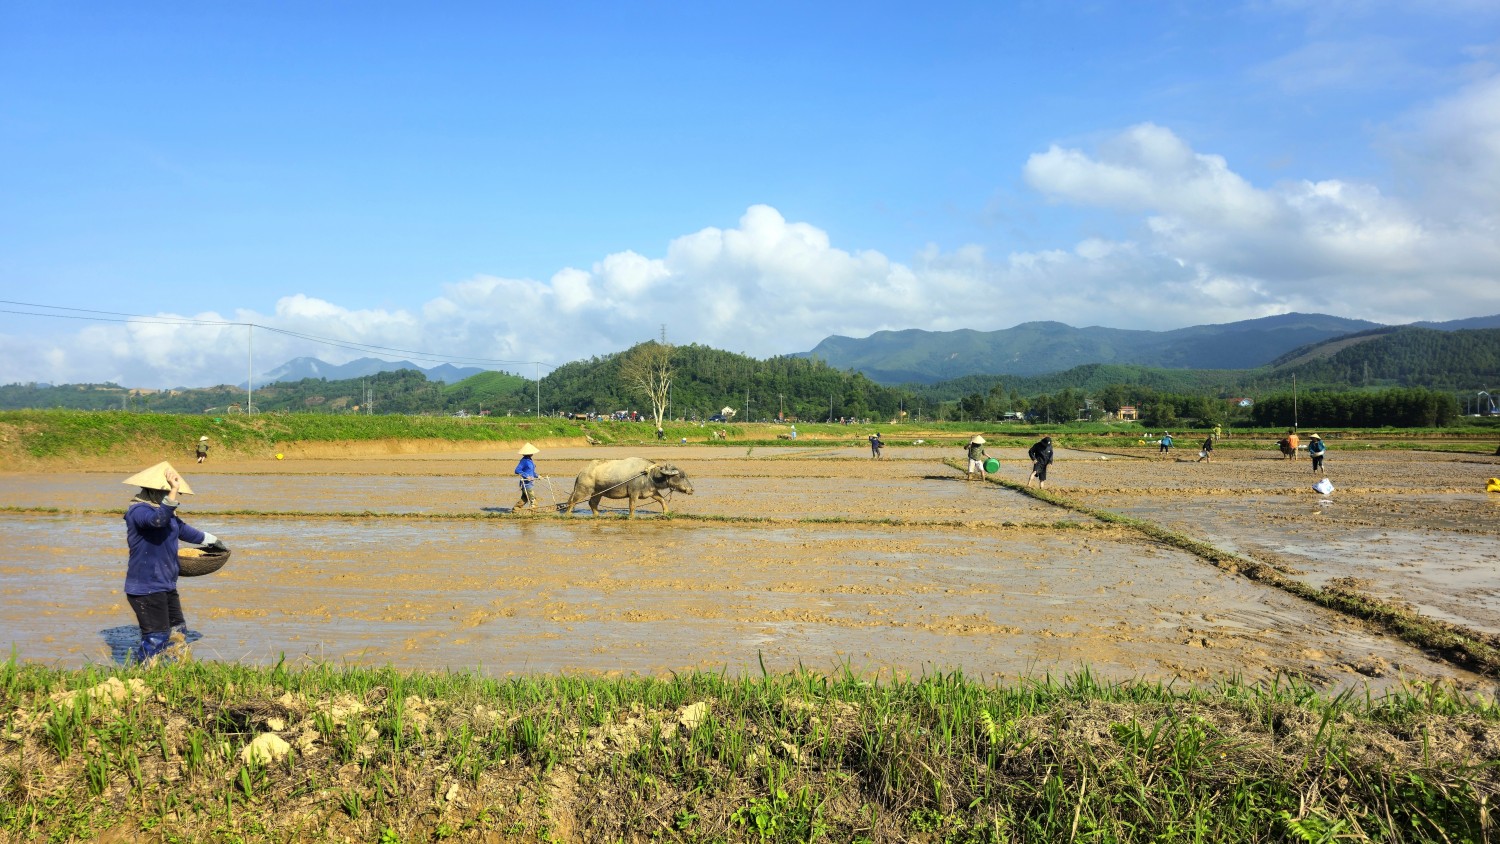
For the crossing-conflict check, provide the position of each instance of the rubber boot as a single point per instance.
(177, 648)
(151, 645)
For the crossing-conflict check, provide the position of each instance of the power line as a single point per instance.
(124, 318)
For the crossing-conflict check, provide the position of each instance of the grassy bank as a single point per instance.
(50, 434)
(160, 754)
(53, 435)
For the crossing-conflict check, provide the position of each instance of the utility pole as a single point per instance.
(539, 385)
(1294, 402)
(250, 378)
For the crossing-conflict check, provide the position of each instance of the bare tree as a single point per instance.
(647, 369)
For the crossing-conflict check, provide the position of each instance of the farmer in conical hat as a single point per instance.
(202, 449)
(152, 532)
(1317, 450)
(976, 457)
(527, 470)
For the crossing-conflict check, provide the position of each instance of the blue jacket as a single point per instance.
(526, 468)
(152, 532)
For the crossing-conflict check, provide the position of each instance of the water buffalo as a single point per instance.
(634, 479)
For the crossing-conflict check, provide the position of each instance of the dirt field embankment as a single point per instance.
(390, 447)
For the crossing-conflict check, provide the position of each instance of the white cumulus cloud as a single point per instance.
(1206, 244)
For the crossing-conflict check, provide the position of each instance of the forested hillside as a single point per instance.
(1089, 378)
(708, 379)
(404, 391)
(1457, 360)
(1037, 348)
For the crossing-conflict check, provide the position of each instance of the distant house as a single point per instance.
(1241, 402)
(1128, 413)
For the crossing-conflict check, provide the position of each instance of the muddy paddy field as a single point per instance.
(814, 556)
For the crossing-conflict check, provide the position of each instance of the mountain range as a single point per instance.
(298, 368)
(914, 356)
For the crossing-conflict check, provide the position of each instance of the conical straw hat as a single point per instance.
(156, 478)
(976, 440)
(529, 449)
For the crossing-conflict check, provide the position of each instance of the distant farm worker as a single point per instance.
(1316, 449)
(976, 457)
(1166, 444)
(875, 445)
(1041, 458)
(526, 468)
(152, 533)
(1291, 444)
(1206, 453)
(202, 449)
(1218, 429)
(660, 434)
(794, 432)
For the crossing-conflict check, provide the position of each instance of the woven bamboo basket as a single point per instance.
(196, 562)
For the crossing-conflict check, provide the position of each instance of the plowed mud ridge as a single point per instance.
(814, 556)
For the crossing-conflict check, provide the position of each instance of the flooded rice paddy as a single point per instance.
(812, 556)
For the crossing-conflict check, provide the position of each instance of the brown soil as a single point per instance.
(812, 555)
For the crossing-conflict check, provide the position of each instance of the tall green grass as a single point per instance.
(380, 755)
(61, 433)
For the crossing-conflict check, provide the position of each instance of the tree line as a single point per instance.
(1399, 408)
(706, 380)
(1339, 389)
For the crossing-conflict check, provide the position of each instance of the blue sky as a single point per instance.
(507, 182)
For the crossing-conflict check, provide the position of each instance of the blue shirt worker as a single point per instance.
(527, 470)
(152, 532)
(1166, 444)
(1316, 448)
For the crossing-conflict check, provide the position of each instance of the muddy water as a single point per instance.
(1413, 527)
(1448, 574)
(777, 483)
(514, 594)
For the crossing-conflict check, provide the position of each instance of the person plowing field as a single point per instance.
(526, 468)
